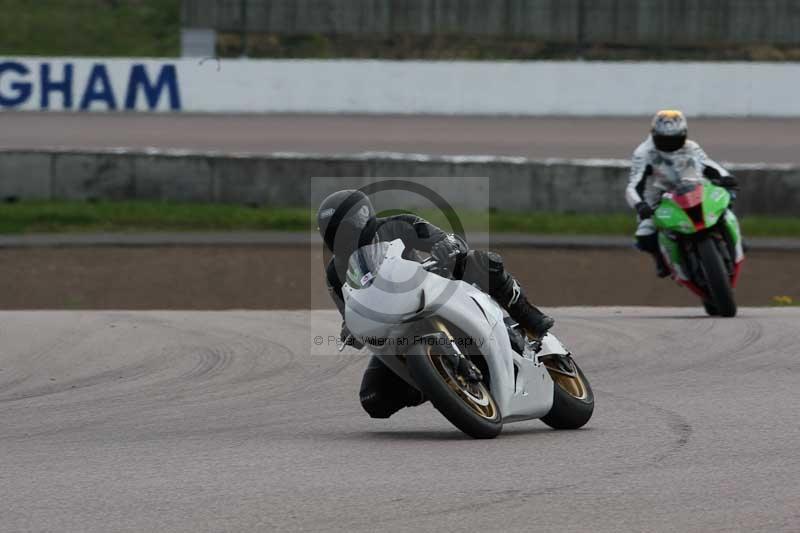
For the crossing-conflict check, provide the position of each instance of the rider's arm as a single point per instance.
(334, 286)
(711, 169)
(640, 168)
(335, 290)
(416, 232)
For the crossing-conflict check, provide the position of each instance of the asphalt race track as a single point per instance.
(222, 421)
(741, 140)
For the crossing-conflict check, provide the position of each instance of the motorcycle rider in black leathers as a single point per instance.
(666, 148)
(347, 221)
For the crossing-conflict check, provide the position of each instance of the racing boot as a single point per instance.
(529, 317)
(507, 291)
(649, 244)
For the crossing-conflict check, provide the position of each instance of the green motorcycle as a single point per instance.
(700, 240)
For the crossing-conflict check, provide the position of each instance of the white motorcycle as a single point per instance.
(454, 343)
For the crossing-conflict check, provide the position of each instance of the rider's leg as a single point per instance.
(383, 392)
(486, 270)
(647, 241)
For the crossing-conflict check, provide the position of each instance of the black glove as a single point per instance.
(349, 339)
(449, 250)
(644, 210)
(728, 182)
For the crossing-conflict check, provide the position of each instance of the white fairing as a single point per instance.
(402, 292)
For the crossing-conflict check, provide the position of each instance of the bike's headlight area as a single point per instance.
(364, 326)
(381, 305)
(385, 304)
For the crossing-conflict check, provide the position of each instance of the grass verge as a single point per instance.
(480, 47)
(130, 28)
(106, 216)
(68, 217)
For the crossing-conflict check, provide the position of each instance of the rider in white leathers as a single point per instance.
(655, 164)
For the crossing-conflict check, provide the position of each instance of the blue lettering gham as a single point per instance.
(62, 84)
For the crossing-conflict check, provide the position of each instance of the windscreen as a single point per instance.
(684, 169)
(364, 264)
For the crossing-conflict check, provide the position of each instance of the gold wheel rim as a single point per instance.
(475, 395)
(571, 382)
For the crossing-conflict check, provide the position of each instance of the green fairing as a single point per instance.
(670, 217)
(732, 225)
(673, 252)
(715, 201)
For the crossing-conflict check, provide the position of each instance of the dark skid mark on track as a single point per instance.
(677, 423)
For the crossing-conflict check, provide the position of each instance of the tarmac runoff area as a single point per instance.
(263, 270)
(222, 421)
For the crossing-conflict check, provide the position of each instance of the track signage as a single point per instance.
(85, 85)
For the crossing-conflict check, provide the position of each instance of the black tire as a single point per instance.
(717, 278)
(569, 411)
(457, 410)
(710, 309)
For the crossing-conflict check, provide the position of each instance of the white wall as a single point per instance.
(512, 88)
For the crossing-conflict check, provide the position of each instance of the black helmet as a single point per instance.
(669, 130)
(346, 220)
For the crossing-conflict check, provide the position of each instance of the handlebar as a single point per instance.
(430, 264)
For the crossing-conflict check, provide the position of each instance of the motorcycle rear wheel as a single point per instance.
(717, 278)
(573, 398)
(468, 406)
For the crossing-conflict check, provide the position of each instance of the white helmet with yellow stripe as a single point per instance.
(669, 130)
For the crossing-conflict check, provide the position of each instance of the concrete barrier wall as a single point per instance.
(408, 87)
(627, 22)
(585, 186)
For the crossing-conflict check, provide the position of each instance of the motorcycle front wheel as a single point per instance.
(717, 278)
(467, 405)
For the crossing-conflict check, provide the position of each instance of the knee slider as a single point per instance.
(502, 285)
(490, 262)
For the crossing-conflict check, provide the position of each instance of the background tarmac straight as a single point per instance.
(745, 140)
(211, 421)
